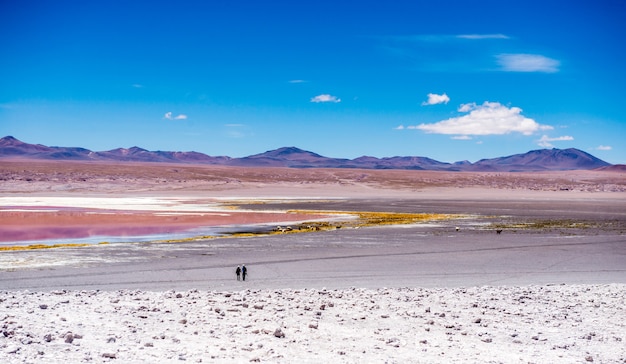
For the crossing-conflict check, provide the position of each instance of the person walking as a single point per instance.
(238, 271)
(244, 271)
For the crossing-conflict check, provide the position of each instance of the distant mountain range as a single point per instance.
(536, 160)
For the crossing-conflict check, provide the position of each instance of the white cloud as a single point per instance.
(325, 98)
(137, 85)
(434, 99)
(399, 127)
(527, 63)
(235, 130)
(490, 118)
(462, 137)
(297, 81)
(545, 141)
(482, 36)
(169, 116)
(604, 147)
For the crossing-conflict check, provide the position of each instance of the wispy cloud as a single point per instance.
(297, 81)
(546, 141)
(137, 85)
(169, 116)
(447, 52)
(527, 63)
(434, 99)
(604, 147)
(482, 36)
(439, 38)
(325, 98)
(462, 137)
(490, 118)
(235, 130)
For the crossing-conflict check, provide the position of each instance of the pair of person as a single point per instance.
(241, 271)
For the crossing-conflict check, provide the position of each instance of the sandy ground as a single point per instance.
(550, 288)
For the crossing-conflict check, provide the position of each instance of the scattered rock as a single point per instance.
(279, 333)
(69, 338)
(109, 355)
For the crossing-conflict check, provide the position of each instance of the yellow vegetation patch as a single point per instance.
(368, 218)
(40, 246)
(550, 224)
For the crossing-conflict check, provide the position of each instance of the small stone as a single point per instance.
(69, 337)
(109, 355)
(478, 320)
(258, 307)
(279, 333)
(43, 306)
(47, 338)
(313, 325)
(589, 358)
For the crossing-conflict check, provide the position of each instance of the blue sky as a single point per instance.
(451, 80)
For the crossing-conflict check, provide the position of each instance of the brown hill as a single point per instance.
(292, 157)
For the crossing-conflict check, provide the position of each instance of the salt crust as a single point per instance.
(505, 324)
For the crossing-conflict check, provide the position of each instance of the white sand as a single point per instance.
(530, 324)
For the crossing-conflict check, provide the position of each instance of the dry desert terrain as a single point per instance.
(446, 267)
